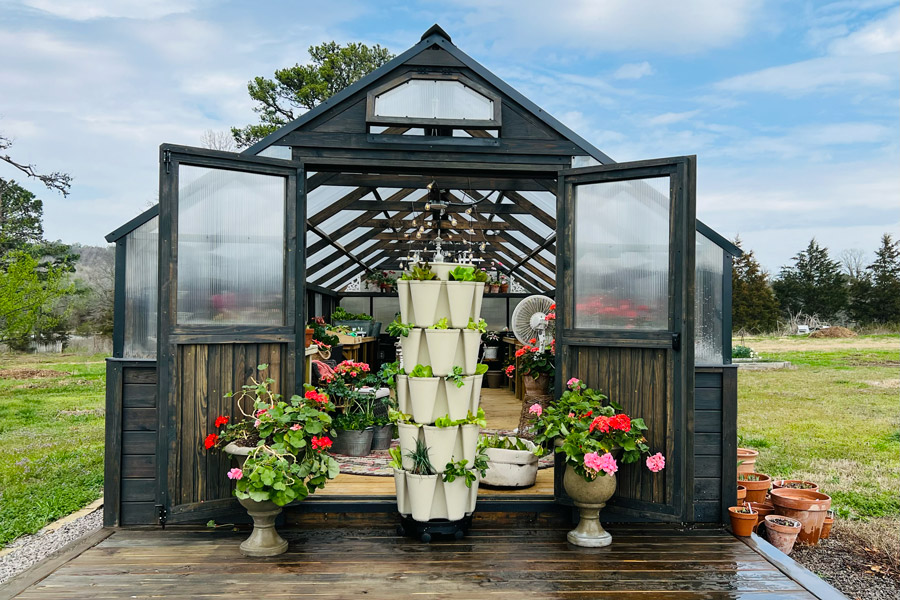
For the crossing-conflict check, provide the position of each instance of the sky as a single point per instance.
(791, 107)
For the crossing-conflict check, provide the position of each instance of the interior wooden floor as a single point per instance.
(644, 562)
(502, 410)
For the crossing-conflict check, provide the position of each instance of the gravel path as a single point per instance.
(835, 561)
(30, 549)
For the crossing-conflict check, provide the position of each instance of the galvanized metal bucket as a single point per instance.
(353, 443)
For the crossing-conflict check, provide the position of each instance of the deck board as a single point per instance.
(643, 562)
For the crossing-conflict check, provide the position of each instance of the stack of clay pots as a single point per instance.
(427, 399)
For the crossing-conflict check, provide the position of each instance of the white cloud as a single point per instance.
(825, 74)
(633, 70)
(87, 10)
(877, 37)
(671, 117)
(610, 25)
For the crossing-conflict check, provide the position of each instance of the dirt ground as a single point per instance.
(801, 343)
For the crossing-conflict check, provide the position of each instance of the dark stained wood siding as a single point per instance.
(205, 374)
(715, 442)
(131, 443)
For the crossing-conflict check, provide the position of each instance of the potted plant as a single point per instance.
(806, 506)
(354, 423)
(741, 494)
(827, 525)
(421, 480)
(537, 366)
(761, 509)
(504, 284)
(757, 485)
(747, 459)
(424, 290)
(782, 531)
(340, 317)
(743, 520)
(512, 461)
(491, 341)
(424, 389)
(494, 286)
(795, 484)
(444, 348)
(594, 432)
(461, 289)
(280, 450)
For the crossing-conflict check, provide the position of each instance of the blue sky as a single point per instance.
(791, 107)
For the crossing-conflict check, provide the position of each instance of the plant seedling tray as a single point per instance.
(425, 531)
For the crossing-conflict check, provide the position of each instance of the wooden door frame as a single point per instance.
(682, 257)
(170, 334)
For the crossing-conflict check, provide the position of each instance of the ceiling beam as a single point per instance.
(444, 182)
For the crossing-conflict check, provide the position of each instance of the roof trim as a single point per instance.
(133, 224)
(434, 36)
(718, 239)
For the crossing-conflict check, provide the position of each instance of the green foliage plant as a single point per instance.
(288, 439)
(419, 273)
(341, 314)
(421, 463)
(458, 469)
(421, 371)
(457, 377)
(29, 290)
(398, 328)
(481, 325)
(396, 458)
(739, 351)
(441, 324)
(481, 276)
(461, 273)
(481, 369)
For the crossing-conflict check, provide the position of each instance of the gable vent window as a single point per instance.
(431, 100)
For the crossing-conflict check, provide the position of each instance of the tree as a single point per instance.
(753, 303)
(875, 296)
(300, 88)
(56, 180)
(853, 262)
(217, 140)
(20, 217)
(29, 291)
(813, 285)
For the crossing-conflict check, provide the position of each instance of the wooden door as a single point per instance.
(625, 267)
(231, 287)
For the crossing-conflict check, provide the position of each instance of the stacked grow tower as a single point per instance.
(427, 498)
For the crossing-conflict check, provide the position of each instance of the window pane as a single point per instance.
(385, 309)
(493, 311)
(708, 303)
(230, 247)
(141, 260)
(434, 99)
(622, 254)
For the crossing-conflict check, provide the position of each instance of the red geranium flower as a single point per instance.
(621, 422)
(321, 443)
(600, 423)
(220, 420)
(210, 441)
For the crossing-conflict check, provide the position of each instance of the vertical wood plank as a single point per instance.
(112, 466)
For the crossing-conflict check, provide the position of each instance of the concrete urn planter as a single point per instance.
(590, 497)
(263, 540)
(511, 468)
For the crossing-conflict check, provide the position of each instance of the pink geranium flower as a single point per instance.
(295, 427)
(235, 473)
(656, 463)
(592, 461)
(536, 409)
(572, 383)
(608, 464)
(256, 423)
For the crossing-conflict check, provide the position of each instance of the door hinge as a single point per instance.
(162, 513)
(676, 341)
(167, 160)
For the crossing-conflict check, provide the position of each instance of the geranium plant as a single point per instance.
(287, 440)
(594, 430)
(535, 360)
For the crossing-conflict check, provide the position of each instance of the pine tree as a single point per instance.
(754, 307)
(875, 297)
(813, 285)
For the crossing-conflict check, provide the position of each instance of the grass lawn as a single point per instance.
(832, 420)
(51, 438)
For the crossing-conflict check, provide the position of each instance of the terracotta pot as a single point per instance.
(742, 524)
(762, 510)
(795, 484)
(504, 288)
(782, 536)
(495, 289)
(827, 525)
(590, 497)
(536, 387)
(756, 490)
(741, 494)
(807, 507)
(747, 460)
(309, 338)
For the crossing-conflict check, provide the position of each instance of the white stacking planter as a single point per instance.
(426, 399)
(511, 468)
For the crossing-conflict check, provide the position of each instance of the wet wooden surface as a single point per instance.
(643, 562)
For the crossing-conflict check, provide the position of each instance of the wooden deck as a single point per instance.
(645, 562)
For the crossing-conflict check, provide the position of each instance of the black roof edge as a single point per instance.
(133, 224)
(434, 35)
(718, 239)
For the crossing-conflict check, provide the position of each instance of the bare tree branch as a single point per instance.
(217, 140)
(56, 180)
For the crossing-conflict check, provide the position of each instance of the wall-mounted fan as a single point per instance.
(529, 320)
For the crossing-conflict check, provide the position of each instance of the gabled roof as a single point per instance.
(435, 36)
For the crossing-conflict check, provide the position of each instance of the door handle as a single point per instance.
(676, 342)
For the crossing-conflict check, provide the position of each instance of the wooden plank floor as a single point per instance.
(643, 562)
(502, 410)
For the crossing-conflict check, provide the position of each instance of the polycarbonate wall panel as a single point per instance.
(708, 303)
(493, 311)
(385, 309)
(434, 99)
(355, 305)
(230, 247)
(622, 254)
(141, 290)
